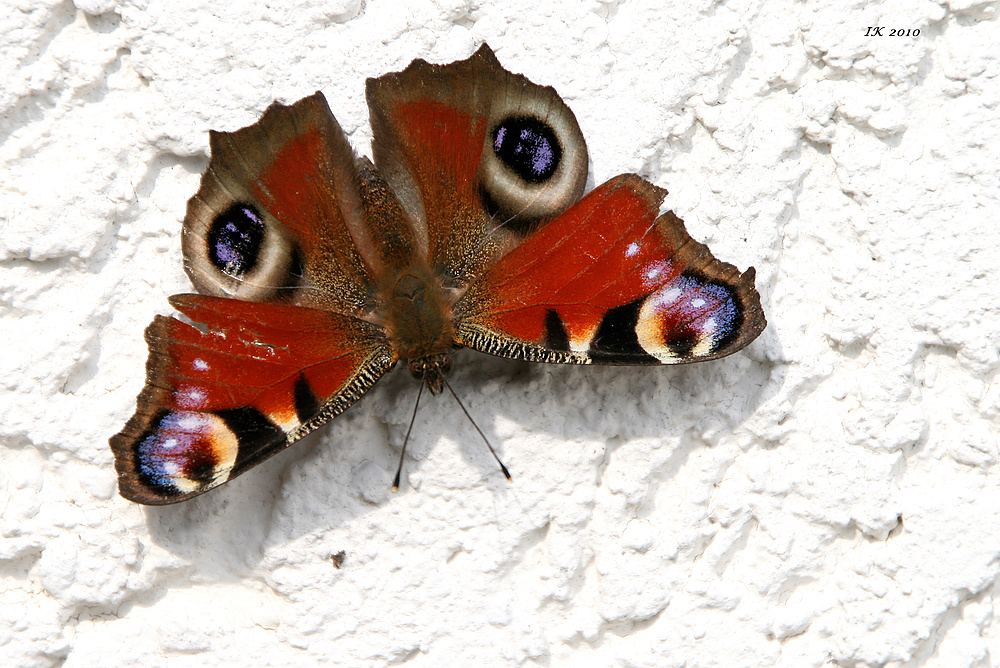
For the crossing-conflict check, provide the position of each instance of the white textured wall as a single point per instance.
(829, 497)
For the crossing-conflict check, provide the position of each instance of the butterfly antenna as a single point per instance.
(493, 452)
(399, 469)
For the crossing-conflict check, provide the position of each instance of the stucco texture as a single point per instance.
(827, 497)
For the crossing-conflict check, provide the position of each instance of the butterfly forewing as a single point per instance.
(239, 385)
(610, 282)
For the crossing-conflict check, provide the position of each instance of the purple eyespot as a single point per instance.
(235, 238)
(528, 146)
(177, 447)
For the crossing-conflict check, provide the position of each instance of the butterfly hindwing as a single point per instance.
(478, 156)
(280, 213)
(241, 384)
(611, 282)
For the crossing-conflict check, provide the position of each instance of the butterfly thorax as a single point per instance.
(419, 325)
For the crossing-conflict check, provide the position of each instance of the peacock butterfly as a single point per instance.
(318, 269)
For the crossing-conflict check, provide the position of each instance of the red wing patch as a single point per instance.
(229, 392)
(610, 282)
(443, 148)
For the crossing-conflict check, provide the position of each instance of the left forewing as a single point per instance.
(241, 384)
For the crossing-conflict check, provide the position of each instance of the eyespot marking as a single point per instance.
(185, 451)
(687, 318)
(235, 238)
(527, 146)
(616, 340)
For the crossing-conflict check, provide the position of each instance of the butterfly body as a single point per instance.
(417, 315)
(319, 270)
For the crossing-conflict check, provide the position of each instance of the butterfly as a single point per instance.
(318, 270)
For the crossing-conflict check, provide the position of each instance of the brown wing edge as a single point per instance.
(698, 259)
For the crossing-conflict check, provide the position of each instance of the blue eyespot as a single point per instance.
(235, 238)
(528, 146)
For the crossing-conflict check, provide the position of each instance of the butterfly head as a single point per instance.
(430, 370)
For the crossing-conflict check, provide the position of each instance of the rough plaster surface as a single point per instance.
(829, 497)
